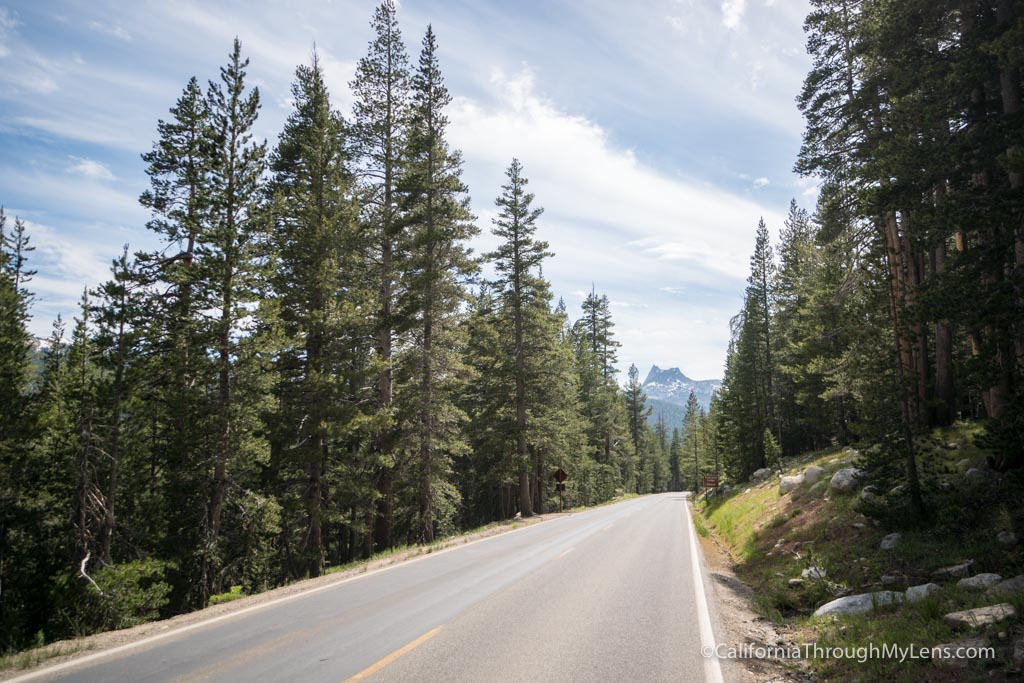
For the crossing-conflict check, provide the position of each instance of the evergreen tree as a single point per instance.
(320, 285)
(517, 262)
(436, 212)
(675, 461)
(230, 268)
(379, 130)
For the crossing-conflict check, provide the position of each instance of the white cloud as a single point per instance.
(761, 182)
(616, 222)
(7, 25)
(89, 168)
(115, 30)
(732, 13)
(67, 266)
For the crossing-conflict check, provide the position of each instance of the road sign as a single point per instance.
(561, 476)
(559, 487)
(711, 481)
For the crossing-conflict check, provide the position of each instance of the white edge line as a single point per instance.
(712, 667)
(74, 663)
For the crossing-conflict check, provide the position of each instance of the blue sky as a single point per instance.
(655, 133)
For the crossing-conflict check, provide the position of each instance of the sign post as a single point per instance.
(560, 477)
(710, 482)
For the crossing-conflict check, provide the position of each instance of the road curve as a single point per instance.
(608, 594)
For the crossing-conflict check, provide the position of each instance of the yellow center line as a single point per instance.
(566, 553)
(374, 668)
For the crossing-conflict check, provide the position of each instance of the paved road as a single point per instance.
(603, 595)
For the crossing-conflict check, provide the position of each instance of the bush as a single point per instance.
(128, 594)
(234, 594)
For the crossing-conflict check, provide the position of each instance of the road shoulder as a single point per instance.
(742, 626)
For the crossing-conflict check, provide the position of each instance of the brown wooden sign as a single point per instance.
(560, 475)
(711, 481)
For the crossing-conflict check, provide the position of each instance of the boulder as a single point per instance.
(890, 541)
(859, 604)
(956, 571)
(964, 465)
(954, 654)
(976, 476)
(979, 582)
(1007, 538)
(796, 583)
(858, 525)
(814, 573)
(761, 474)
(897, 491)
(814, 474)
(890, 580)
(980, 616)
(918, 593)
(1011, 586)
(846, 480)
(869, 493)
(787, 484)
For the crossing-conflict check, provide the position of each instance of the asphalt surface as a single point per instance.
(607, 594)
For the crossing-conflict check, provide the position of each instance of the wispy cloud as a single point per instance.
(7, 25)
(761, 182)
(111, 29)
(89, 168)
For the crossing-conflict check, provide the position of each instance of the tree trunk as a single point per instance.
(944, 390)
(1009, 88)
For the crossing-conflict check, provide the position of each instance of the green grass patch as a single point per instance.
(234, 594)
(698, 524)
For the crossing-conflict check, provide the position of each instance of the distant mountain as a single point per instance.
(672, 413)
(673, 387)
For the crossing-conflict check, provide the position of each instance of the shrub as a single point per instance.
(125, 595)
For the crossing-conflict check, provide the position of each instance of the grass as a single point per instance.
(772, 538)
(234, 594)
(26, 659)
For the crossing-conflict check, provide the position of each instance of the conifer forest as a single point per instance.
(315, 366)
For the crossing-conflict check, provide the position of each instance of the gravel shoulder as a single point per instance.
(743, 626)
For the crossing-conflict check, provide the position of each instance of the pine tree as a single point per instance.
(638, 412)
(438, 221)
(231, 270)
(22, 561)
(176, 338)
(379, 129)
(319, 286)
(517, 261)
(691, 437)
(675, 461)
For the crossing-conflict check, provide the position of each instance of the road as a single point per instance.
(608, 594)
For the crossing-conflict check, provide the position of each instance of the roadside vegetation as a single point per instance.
(805, 548)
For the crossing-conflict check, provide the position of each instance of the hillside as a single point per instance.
(816, 551)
